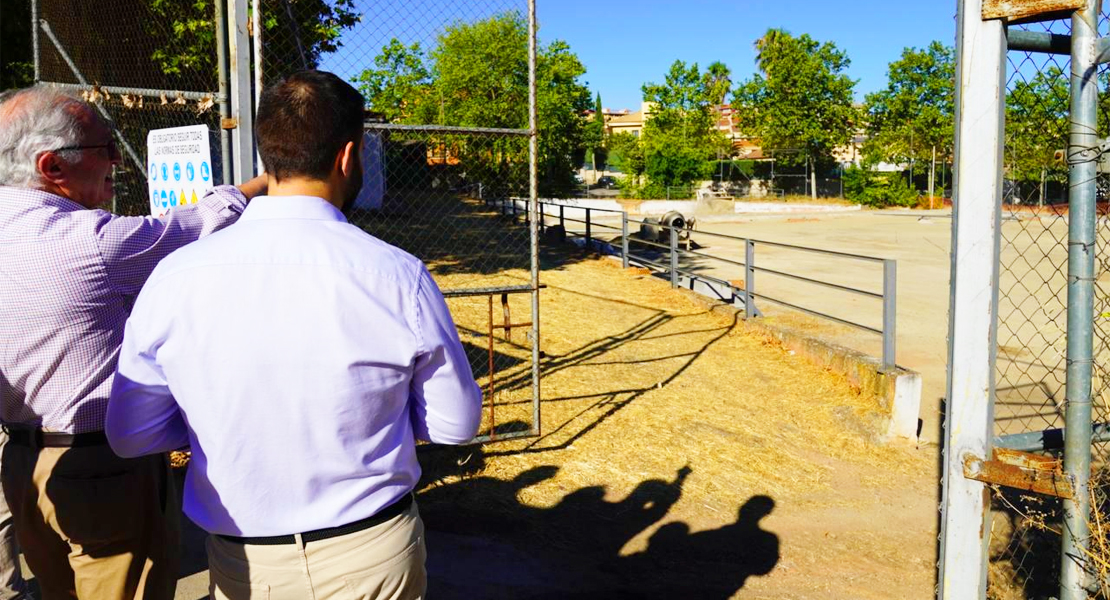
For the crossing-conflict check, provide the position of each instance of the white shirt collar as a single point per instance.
(291, 207)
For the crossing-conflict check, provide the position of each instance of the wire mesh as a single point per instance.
(447, 88)
(1031, 363)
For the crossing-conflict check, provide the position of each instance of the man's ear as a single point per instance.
(347, 158)
(51, 168)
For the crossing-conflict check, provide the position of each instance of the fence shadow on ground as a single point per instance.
(484, 543)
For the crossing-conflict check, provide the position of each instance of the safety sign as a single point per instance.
(180, 167)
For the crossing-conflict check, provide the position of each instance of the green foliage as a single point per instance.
(1037, 126)
(800, 98)
(476, 75)
(679, 136)
(626, 154)
(16, 69)
(878, 190)
(915, 113)
(295, 33)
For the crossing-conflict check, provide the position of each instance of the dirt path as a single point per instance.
(683, 457)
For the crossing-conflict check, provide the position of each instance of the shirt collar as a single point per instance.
(33, 196)
(291, 207)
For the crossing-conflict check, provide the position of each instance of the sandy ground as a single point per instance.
(682, 457)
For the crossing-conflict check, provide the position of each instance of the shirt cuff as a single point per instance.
(232, 198)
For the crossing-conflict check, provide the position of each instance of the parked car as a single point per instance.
(607, 182)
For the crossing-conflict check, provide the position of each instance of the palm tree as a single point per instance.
(718, 82)
(765, 46)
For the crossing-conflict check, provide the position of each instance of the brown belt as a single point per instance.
(37, 438)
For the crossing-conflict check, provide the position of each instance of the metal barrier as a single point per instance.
(749, 293)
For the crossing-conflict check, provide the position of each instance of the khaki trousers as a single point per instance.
(384, 562)
(93, 525)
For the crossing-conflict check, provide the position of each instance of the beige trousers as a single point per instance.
(93, 525)
(384, 562)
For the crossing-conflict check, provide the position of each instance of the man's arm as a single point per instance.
(447, 403)
(132, 246)
(143, 417)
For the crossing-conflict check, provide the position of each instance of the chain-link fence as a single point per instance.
(449, 87)
(1031, 365)
(145, 65)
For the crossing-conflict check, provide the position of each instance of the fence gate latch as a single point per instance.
(1078, 156)
(1020, 470)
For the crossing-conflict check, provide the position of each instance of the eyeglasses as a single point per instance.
(113, 150)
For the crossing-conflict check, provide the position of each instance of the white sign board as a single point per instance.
(180, 167)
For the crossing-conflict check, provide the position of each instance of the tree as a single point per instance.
(718, 82)
(800, 98)
(914, 115)
(16, 69)
(400, 86)
(476, 75)
(626, 154)
(679, 134)
(595, 134)
(1037, 127)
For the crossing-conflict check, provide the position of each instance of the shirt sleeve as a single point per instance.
(143, 417)
(446, 402)
(132, 246)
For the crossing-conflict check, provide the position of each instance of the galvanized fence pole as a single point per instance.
(749, 279)
(589, 237)
(674, 256)
(972, 323)
(239, 57)
(1081, 272)
(223, 85)
(624, 239)
(35, 38)
(534, 195)
(890, 325)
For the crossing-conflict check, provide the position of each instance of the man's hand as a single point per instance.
(254, 187)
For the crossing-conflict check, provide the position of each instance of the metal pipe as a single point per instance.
(223, 85)
(890, 320)
(624, 240)
(1083, 134)
(1037, 41)
(446, 129)
(533, 193)
(35, 38)
(256, 26)
(815, 313)
(749, 280)
(589, 238)
(132, 91)
(834, 286)
(674, 258)
(1047, 440)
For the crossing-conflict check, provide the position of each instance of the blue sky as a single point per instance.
(625, 43)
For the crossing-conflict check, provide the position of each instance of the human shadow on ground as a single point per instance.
(483, 542)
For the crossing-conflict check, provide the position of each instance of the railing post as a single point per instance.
(890, 321)
(674, 257)
(543, 219)
(588, 236)
(624, 239)
(749, 279)
(562, 218)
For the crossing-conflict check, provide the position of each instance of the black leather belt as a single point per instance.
(37, 438)
(401, 505)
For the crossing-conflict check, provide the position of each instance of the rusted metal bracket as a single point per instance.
(229, 123)
(1026, 10)
(1020, 470)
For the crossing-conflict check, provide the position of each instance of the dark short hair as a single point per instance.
(304, 121)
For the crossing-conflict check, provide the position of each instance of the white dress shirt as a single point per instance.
(300, 358)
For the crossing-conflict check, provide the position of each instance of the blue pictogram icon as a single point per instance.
(177, 171)
(153, 172)
(190, 172)
(205, 172)
(154, 200)
(165, 172)
(165, 200)
(173, 198)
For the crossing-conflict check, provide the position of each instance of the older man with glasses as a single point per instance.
(91, 525)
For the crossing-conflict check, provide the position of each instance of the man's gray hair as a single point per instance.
(32, 121)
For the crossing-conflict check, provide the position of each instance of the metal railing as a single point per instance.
(585, 216)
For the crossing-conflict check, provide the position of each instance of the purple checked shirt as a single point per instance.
(68, 279)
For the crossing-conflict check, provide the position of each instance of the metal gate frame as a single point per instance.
(970, 461)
